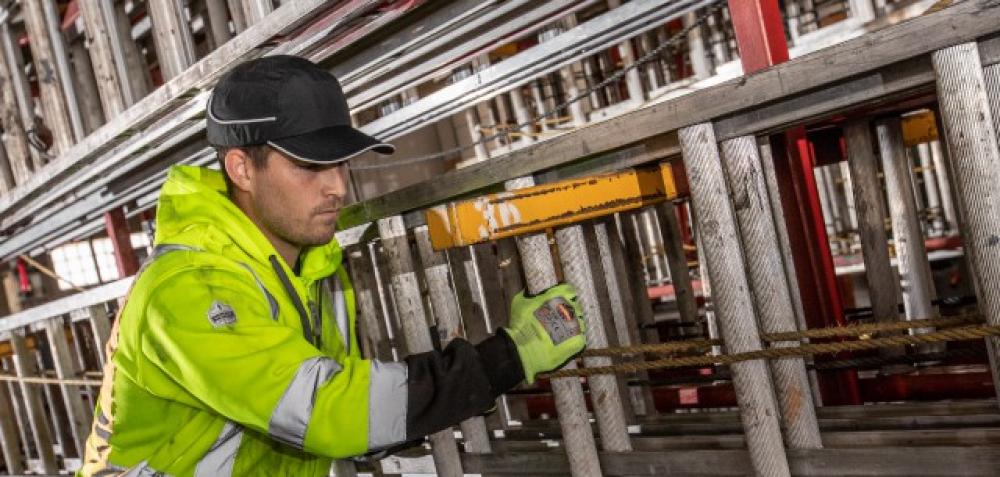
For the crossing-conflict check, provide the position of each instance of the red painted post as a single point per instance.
(760, 36)
(116, 225)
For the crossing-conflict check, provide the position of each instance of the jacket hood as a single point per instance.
(194, 210)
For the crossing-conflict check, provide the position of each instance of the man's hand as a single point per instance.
(547, 329)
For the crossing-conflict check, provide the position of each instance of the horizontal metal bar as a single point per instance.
(598, 33)
(62, 306)
(534, 209)
(870, 62)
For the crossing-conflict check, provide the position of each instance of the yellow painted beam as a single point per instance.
(534, 209)
(919, 128)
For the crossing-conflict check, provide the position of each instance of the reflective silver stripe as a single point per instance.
(291, 416)
(267, 295)
(340, 311)
(387, 400)
(219, 460)
(142, 469)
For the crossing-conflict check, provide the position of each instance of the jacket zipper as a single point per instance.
(307, 330)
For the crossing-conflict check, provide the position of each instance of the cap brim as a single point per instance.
(330, 145)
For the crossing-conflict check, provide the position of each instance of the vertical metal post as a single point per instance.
(680, 274)
(760, 33)
(21, 89)
(476, 134)
(540, 274)
(883, 284)
(133, 72)
(6, 174)
(632, 80)
(604, 392)
(236, 13)
(635, 271)
(522, 117)
(15, 138)
(931, 188)
(10, 439)
(731, 295)
(449, 325)
(218, 19)
(697, 53)
(172, 36)
(371, 330)
(769, 288)
(100, 29)
(945, 187)
(24, 366)
(974, 154)
(116, 225)
(56, 105)
(623, 308)
(76, 413)
(911, 253)
(256, 10)
(413, 320)
(90, 99)
(862, 10)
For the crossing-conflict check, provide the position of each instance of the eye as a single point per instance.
(310, 166)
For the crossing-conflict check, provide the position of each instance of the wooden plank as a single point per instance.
(24, 366)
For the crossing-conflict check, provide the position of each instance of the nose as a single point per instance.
(334, 183)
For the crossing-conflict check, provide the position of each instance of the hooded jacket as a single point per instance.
(226, 361)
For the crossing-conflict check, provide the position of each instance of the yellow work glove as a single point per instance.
(548, 329)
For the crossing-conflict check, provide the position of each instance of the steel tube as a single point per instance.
(911, 254)
(449, 325)
(974, 156)
(410, 308)
(717, 228)
(769, 287)
(540, 274)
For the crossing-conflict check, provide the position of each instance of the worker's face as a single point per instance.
(296, 202)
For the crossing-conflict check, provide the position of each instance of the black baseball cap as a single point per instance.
(290, 104)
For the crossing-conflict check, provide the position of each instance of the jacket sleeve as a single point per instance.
(209, 340)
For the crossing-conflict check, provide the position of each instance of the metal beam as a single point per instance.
(535, 209)
(172, 36)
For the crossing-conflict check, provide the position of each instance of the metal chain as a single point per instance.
(617, 76)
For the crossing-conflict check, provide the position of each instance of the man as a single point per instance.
(236, 353)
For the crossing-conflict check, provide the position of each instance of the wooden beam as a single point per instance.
(15, 137)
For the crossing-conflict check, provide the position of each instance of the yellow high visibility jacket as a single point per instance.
(226, 361)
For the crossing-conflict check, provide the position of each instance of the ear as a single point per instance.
(239, 169)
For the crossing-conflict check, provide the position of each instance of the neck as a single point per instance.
(288, 251)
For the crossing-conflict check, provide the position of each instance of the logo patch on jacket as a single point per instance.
(221, 314)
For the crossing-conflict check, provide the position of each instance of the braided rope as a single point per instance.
(955, 334)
